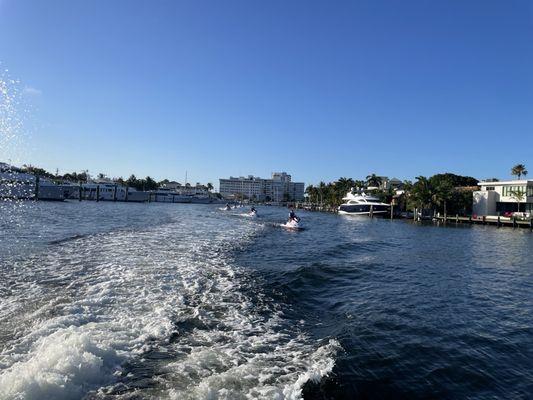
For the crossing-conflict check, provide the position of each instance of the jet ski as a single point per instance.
(292, 224)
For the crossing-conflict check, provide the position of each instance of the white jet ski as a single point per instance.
(253, 213)
(292, 224)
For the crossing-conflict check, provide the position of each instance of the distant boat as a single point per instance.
(168, 196)
(171, 196)
(16, 184)
(362, 204)
(200, 199)
(106, 191)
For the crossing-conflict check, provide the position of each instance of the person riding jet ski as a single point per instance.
(292, 216)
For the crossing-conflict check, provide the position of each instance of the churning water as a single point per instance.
(140, 301)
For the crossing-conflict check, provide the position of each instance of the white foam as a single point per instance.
(113, 298)
(62, 366)
(279, 374)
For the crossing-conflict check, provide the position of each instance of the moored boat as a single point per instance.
(362, 204)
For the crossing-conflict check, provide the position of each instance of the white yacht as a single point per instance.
(17, 184)
(362, 204)
(107, 191)
(165, 195)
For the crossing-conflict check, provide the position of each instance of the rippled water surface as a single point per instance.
(141, 301)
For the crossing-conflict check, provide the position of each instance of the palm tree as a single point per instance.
(373, 180)
(359, 184)
(311, 192)
(407, 185)
(341, 187)
(421, 193)
(150, 184)
(321, 191)
(518, 195)
(442, 193)
(519, 170)
(209, 186)
(132, 181)
(343, 182)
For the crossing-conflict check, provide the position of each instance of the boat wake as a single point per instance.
(161, 313)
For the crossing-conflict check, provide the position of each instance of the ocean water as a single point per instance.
(177, 301)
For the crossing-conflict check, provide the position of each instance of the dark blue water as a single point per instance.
(211, 304)
(420, 311)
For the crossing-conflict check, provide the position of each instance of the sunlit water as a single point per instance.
(138, 301)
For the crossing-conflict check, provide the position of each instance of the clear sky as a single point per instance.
(320, 89)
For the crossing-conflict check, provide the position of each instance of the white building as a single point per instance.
(390, 183)
(172, 185)
(278, 188)
(503, 197)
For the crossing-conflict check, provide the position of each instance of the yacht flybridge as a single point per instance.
(362, 204)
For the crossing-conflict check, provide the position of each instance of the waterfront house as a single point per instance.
(390, 183)
(171, 185)
(504, 197)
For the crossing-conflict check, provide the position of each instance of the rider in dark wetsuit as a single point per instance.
(292, 216)
(253, 209)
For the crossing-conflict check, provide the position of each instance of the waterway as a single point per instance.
(180, 301)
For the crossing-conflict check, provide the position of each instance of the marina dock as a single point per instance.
(487, 220)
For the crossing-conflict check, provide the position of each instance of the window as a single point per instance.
(489, 188)
(507, 190)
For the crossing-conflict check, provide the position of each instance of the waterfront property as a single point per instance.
(390, 183)
(504, 197)
(278, 188)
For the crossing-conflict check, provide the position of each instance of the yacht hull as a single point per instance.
(363, 209)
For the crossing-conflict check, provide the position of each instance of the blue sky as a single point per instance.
(318, 89)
